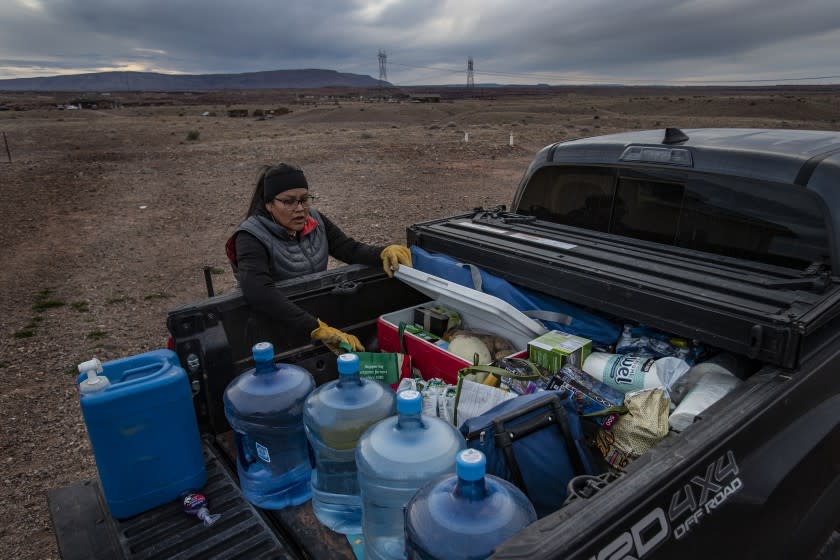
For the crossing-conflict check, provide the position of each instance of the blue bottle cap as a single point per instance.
(348, 363)
(470, 464)
(263, 352)
(409, 402)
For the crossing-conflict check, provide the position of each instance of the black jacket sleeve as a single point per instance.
(258, 287)
(349, 250)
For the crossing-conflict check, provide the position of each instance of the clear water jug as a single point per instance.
(264, 406)
(465, 515)
(335, 416)
(395, 457)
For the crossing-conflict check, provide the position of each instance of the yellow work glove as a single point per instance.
(393, 256)
(332, 338)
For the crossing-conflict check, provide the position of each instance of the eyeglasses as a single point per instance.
(290, 203)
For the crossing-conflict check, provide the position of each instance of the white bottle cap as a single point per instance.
(94, 382)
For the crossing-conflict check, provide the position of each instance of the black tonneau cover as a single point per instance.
(758, 310)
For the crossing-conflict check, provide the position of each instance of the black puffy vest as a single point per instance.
(290, 256)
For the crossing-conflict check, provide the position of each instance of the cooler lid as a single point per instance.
(481, 306)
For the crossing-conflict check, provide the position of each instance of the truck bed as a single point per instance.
(757, 310)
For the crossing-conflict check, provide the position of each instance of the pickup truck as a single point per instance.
(725, 236)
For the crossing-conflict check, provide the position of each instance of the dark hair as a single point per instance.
(257, 205)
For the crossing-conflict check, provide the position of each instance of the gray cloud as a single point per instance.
(428, 41)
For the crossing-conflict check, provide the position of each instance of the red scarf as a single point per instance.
(309, 226)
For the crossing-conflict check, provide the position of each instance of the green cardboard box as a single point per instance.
(555, 349)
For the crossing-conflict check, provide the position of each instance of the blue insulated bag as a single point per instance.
(536, 442)
(554, 313)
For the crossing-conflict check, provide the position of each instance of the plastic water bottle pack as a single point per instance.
(642, 341)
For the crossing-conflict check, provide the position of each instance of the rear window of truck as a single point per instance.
(774, 223)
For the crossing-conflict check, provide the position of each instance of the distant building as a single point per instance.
(95, 103)
(425, 97)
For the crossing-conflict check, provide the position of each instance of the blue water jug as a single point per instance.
(395, 457)
(336, 414)
(465, 515)
(142, 427)
(264, 406)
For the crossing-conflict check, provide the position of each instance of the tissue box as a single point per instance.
(555, 349)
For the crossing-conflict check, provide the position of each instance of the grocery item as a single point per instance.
(638, 431)
(468, 347)
(712, 387)
(723, 362)
(590, 397)
(195, 504)
(623, 372)
(555, 349)
(642, 341)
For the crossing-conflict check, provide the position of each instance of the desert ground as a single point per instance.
(108, 217)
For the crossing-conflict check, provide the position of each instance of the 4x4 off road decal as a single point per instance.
(689, 506)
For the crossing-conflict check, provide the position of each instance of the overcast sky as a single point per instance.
(430, 41)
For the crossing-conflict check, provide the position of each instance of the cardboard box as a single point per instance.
(555, 349)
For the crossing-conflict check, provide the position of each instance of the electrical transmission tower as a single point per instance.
(383, 72)
(470, 77)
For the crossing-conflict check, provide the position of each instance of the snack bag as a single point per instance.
(638, 431)
(591, 398)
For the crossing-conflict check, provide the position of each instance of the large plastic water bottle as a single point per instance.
(465, 515)
(395, 457)
(264, 406)
(335, 416)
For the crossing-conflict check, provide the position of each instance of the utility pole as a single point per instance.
(470, 76)
(383, 71)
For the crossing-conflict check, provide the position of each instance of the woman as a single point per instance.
(284, 237)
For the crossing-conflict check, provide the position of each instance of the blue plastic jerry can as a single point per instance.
(143, 430)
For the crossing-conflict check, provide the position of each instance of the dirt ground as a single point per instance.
(107, 218)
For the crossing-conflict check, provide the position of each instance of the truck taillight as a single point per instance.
(170, 343)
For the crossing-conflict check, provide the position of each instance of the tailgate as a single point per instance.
(85, 530)
(757, 310)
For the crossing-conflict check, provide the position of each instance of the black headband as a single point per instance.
(283, 179)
